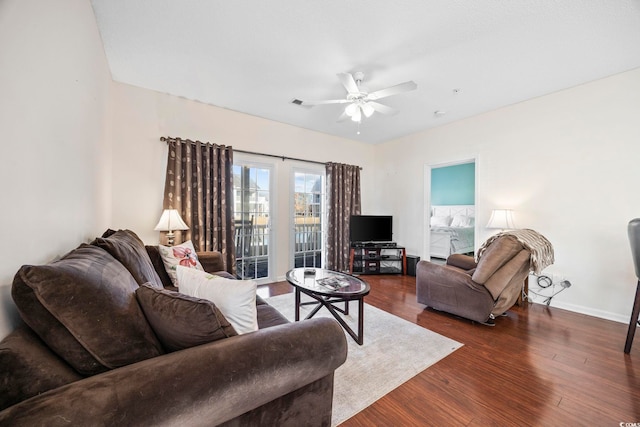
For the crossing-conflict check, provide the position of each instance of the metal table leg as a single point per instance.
(633, 323)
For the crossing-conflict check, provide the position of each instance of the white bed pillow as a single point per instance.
(462, 221)
(236, 299)
(440, 221)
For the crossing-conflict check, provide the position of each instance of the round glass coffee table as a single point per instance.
(329, 288)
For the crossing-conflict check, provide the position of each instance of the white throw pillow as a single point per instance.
(461, 221)
(236, 299)
(440, 221)
(183, 254)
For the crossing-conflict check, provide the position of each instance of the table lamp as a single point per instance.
(502, 219)
(170, 221)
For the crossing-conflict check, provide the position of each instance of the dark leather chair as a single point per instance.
(476, 291)
(633, 230)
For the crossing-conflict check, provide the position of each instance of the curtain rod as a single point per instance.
(278, 157)
(167, 139)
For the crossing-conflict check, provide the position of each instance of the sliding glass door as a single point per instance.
(308, 218)
(252, 204)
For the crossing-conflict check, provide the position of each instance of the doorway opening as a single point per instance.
(450, 215)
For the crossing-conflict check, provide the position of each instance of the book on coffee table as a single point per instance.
(333, 282)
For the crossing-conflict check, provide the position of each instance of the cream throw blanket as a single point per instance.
(540, 248)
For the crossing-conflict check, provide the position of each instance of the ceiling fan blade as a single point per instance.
(344, 116)
(393, 90)
(348, 82)
(328, 101)
(380, 108)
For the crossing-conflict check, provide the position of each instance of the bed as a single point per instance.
(452, 230)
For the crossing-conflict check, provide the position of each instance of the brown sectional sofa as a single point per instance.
(86, 354)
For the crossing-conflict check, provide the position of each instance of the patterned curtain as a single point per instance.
(199, 184)
(343, 200)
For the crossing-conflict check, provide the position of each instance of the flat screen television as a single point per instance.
(371, 228)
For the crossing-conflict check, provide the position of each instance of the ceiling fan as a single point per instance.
(362, 103)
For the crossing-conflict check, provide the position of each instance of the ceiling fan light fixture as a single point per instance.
(367, 109)
(357, 116)
(351, 109)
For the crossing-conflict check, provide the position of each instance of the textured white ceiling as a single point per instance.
(256, 56)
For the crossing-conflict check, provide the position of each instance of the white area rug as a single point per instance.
(394, 351)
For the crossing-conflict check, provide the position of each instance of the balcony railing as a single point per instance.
(253, 240)
(252, 247)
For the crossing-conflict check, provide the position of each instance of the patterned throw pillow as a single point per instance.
(183, 254)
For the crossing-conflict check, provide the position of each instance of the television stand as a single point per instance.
(377, 258)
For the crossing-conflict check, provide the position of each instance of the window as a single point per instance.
(252, 205)
(308, 219)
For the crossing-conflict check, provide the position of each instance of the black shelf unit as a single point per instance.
(377, 259)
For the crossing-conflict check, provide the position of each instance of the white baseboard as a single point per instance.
(616, 317)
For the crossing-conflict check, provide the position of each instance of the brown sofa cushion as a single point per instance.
(464, 262)
(269, 316)
(496, 255)
(126, 247)
(181, 321)
(84, 308)
(29, 368)
(515, 269)
(212, 262)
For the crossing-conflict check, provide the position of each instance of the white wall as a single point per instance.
(143, 116)
(54, 104)
(567, 163)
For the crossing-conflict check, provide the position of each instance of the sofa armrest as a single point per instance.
(427, 271)
(203, 385)
(464, 262)
(211, 261)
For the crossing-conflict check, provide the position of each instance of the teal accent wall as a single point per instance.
(453, 185)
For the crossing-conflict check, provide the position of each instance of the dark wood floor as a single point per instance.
(539, 366)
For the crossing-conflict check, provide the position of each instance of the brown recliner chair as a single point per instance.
(476, 291)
